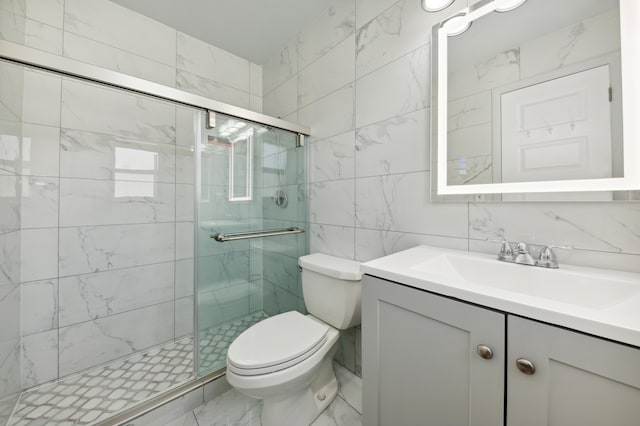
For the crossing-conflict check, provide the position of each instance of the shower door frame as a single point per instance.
(33, 58)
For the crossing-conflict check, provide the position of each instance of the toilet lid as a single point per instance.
(277, 340)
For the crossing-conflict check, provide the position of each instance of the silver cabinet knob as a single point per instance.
(484, 351)
(525, 366)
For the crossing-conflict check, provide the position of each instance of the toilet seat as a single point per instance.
(276, 343)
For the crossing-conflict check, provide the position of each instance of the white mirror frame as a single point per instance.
(629, 35)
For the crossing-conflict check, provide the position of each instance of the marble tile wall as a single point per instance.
(368, 63)
(104, 243)
(109, 243)
(138, 46)
(11, 112)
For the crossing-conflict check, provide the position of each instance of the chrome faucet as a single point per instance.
(522, 256)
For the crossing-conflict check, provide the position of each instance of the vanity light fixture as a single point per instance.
(435, 5)
(507, 5)
(456, 25)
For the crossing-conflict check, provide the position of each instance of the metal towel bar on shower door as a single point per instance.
(256, 234)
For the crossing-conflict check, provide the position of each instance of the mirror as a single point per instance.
(528, 100)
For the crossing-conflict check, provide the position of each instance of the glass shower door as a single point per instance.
(251, 179)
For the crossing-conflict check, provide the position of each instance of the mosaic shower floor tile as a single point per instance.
(99, 393)
(214, 343)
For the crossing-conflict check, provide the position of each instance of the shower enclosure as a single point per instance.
(252, 180)
(139, 235)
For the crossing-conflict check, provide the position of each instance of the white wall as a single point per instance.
(359, 77)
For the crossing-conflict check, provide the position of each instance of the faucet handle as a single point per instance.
(505, 252)
(522, 248)
(547, 258)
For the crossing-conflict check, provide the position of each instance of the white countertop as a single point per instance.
(618, 320)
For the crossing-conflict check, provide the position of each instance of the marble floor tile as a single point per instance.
(188, 419)
(235, 408)
(214, 342)
(230, 408)
(339, 413)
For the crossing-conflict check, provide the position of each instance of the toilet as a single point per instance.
(286, 360)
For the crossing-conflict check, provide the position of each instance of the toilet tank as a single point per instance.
(332, 289)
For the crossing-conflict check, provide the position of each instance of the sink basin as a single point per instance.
(574, 287)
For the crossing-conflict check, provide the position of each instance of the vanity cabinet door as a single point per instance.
(420, 363)
(578, 379)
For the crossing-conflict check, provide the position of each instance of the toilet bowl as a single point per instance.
(286, 360)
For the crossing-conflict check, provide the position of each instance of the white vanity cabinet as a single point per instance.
(421, 366)
(578, 380)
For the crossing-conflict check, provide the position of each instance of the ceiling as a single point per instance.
(251, 29)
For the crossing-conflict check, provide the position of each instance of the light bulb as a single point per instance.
(435, 5)
(456, 25)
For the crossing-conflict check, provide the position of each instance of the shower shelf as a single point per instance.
(256, 234)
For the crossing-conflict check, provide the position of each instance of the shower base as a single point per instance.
(99, 393)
